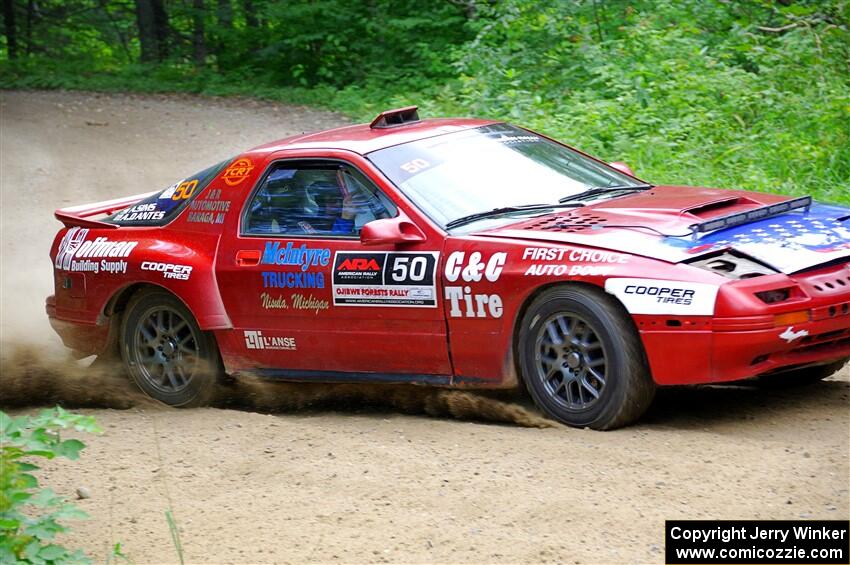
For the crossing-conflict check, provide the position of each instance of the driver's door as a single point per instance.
(307, 299)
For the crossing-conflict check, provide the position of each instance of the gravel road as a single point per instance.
(357, 485)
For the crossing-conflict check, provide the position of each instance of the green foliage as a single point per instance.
(30, 515)
(335, 43)
(175, 535)
(750, 94)
(686, 91)
(117, 555)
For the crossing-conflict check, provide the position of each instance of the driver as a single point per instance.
(336, 209)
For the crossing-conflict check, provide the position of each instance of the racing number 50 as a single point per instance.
(185, 190)
(409, 268)
(414, 166)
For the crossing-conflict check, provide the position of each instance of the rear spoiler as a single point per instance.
(80, 215)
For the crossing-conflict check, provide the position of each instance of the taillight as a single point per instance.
(791, 318)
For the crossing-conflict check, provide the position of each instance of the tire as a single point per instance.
(801, 377)
(582, 360)
(166, 353)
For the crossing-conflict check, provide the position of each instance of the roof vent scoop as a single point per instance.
(395, 118)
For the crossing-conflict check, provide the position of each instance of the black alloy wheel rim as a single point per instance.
(166, 349)
(571, 361)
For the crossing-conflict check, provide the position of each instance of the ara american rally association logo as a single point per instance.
(79, 254)
(402, 279)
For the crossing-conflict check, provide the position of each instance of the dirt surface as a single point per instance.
(341, 482)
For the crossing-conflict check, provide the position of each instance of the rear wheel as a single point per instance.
(801, 377)
(166, 353)
(582, 360)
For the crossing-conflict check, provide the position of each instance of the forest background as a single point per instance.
(750, 94)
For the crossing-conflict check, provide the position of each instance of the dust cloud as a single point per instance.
(265, 396)
(29, 377)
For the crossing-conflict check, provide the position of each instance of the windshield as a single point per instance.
(458, 174)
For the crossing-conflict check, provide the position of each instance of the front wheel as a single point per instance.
(166, 353)
(582, 360)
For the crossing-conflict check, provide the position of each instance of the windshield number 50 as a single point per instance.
(415, 165)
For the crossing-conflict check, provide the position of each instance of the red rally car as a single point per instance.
(453, 252)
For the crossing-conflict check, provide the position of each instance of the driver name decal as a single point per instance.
(650, 296)
(140, 213)
(405, 279)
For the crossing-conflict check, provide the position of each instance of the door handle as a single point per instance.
(247, 257)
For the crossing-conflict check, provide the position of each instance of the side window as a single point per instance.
(310, 198)
(161, 208)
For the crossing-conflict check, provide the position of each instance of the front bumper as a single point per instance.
(740, 355)
(709, 356)
(738, 344)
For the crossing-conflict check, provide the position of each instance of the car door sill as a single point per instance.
(344, 377)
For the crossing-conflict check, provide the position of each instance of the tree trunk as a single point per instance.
(11, 30)
(250, 14)
(28, 25)
(225, 14)
(161, 29)
(147, 31)
(199, 45)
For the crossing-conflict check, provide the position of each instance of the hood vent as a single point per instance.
(567, 224)
(707, 210)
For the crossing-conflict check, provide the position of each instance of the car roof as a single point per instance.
(363, 139)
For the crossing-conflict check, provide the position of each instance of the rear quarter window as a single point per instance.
(164, 206)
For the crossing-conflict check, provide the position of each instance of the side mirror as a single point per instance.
(391, 231)
(623, 168)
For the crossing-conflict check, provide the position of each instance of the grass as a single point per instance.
(747, 156)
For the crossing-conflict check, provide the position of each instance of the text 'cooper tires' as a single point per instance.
(166, 353)
(582, 360)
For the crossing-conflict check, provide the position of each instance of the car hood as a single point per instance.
(657, 224)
